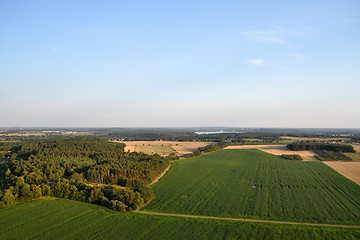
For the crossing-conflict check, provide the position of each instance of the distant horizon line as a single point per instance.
(199, 127)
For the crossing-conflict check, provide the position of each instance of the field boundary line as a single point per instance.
(161, 174)
(248, 220)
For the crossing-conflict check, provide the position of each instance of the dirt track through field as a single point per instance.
(350, 170)
(249, 220)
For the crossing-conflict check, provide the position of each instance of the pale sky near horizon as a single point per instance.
(180, 63)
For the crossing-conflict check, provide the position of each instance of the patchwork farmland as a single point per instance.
(277, 150)
(163, 147)
(227, 194)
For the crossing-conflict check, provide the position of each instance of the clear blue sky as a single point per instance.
(180, 63)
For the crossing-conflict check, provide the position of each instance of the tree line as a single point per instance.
(207, 148)
(302, 146)
(295, 157)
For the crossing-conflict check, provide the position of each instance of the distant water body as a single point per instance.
(217, 132)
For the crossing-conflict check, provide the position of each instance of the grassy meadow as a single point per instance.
(66, 219)
(254, 184)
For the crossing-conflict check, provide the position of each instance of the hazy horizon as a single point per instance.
(148, 64)
(192, 128)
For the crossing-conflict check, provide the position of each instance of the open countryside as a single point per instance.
(254, 184)
(193, 120)
(222, 192)
(350, 170)
(164, 147)
(277, 150)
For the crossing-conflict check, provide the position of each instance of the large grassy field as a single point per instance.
(65, 219)
(254, 184)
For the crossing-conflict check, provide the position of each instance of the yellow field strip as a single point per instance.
(351, 170)
(249, 220)
(276, 150)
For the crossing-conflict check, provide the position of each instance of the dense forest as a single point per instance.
(172, 135)
(302, 146)
(83, 168)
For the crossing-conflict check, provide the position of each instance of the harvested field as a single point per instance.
(356, 147)
(21, 134)
(354, 156)
(180, 148)
(189, 147)
(152, 149)
(350, 170)
(277, 150)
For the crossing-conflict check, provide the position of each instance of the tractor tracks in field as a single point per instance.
(249, 220)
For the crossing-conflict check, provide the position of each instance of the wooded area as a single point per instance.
(302, 146)
(84, 169)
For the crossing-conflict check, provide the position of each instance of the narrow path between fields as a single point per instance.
(160, 175)
(248, 220)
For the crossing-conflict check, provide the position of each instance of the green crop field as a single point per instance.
(66, 219)
(161, 150)
(254, 184)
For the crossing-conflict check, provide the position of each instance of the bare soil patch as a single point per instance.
(350, 170)
(277, 150)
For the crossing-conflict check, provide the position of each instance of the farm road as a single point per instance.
(249, 220)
